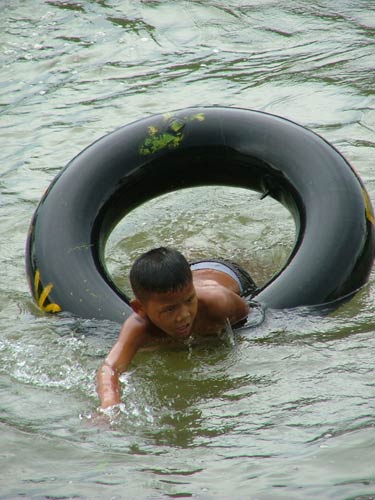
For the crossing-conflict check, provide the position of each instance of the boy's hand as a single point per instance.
(104, 418)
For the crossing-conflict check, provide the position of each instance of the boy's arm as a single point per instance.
(132, 337)
(223, 304)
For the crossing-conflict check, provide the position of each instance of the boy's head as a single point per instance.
(162, 283)
(159, 270)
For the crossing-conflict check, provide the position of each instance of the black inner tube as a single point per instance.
(334, 247)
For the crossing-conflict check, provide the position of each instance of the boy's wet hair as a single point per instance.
(159, 270)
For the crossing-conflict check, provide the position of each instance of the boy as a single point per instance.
(173, 300)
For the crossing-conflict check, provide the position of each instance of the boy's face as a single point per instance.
(173, 312)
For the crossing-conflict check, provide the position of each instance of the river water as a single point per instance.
(282, 410)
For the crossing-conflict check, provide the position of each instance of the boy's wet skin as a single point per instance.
(173, 313)
(198, 303)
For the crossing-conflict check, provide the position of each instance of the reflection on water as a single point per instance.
(285, 408)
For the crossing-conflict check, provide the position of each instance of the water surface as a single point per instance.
(285, 411)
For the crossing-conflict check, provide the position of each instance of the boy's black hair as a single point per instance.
(159, 270)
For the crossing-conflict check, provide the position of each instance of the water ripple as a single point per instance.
(288, 405)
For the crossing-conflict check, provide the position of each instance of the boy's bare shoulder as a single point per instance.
(139, 331)
(220, 303)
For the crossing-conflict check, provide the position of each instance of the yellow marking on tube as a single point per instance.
(368, 208)
(41, 298)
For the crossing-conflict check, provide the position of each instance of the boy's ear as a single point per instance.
(137, 307)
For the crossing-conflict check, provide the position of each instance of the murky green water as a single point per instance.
(286, 412)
